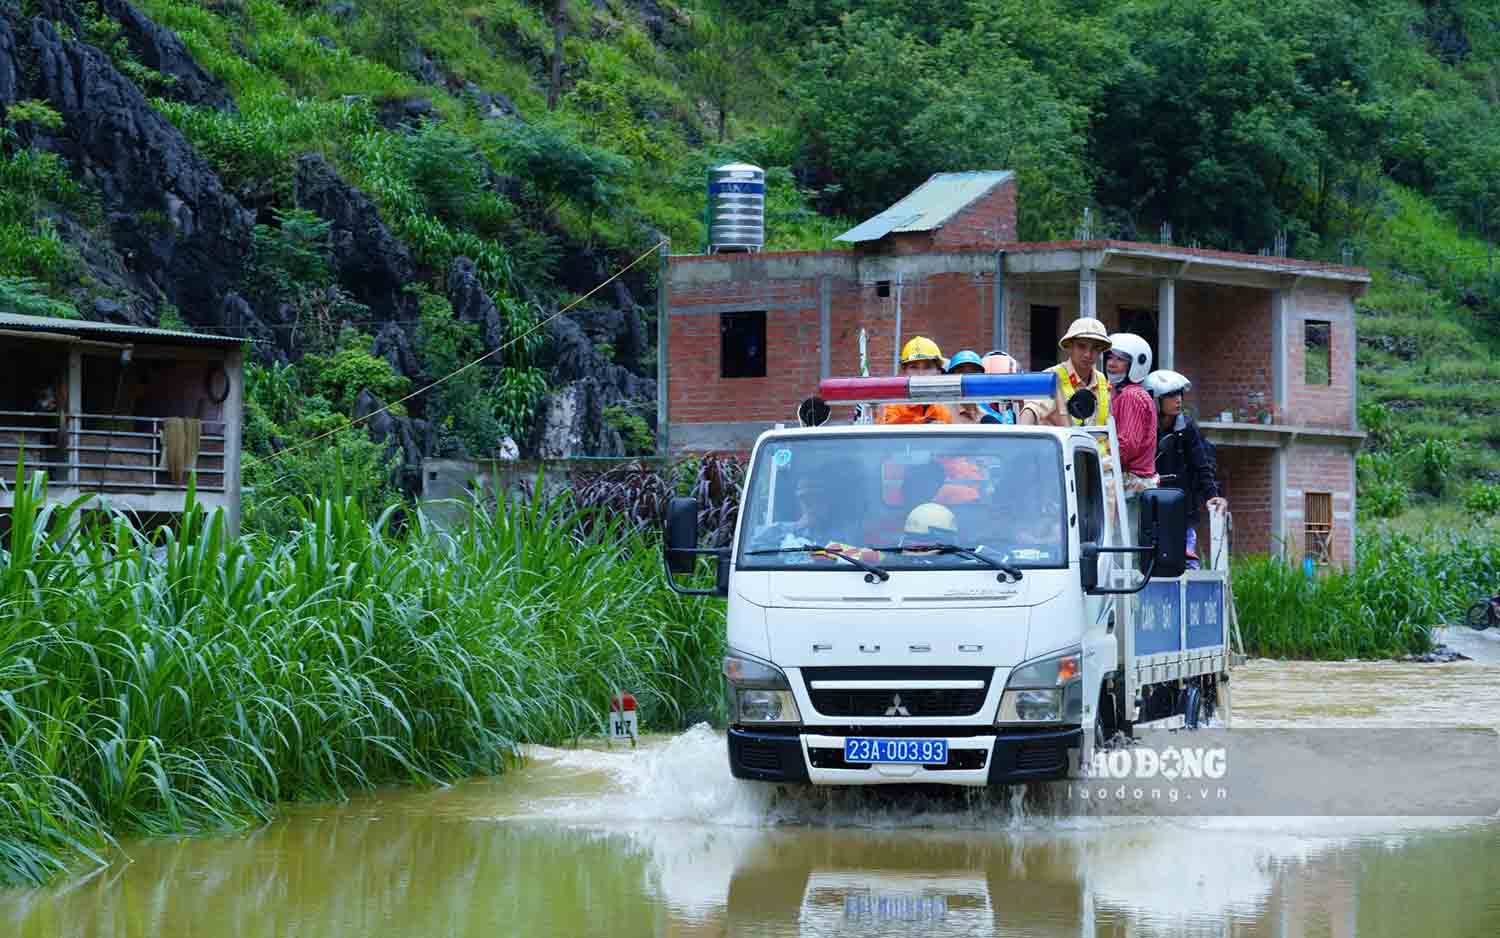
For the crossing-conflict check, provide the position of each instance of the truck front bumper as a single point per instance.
(1006, 758)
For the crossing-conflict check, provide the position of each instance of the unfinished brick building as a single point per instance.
(1268, 341)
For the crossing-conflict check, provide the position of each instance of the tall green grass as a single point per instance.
(193, 682)
(1401, 587)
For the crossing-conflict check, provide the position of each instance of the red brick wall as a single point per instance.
(1245, 474)
(1223, 345)
(695, 391)
(1325, 468)
(955, 310)
(1330, 405)
(984, 223)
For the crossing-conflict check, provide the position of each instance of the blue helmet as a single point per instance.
(965, 357)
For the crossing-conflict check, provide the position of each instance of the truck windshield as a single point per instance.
(881, 497)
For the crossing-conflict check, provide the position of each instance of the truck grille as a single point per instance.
(916, 703)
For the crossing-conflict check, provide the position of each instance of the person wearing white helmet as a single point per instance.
(1127, 362)
(1183, 457)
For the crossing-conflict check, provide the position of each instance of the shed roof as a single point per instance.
(111, 331)
(929, 205)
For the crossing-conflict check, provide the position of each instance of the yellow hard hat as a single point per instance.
(920, 349)
(1085, 328)
(931, 518)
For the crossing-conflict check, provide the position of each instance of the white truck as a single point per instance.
(989, 642)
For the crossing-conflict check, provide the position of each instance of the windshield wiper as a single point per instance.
(870, 569)
(1011, 571)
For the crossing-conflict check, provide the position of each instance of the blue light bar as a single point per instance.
(1042, 384)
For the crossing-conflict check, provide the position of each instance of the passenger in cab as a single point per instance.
(930, 523)
(920, 357)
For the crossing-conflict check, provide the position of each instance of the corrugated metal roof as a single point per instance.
(111, 331)
(928, 206)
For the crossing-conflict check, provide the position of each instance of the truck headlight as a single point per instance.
(767, 706)
(1046, 691)
(758, 692)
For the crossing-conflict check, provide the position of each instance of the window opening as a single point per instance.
(1317, 347)
(742, 344)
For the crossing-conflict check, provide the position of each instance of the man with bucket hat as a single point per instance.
(1085, 342)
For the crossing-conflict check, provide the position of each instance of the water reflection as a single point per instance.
(660, 841)
(389, 868)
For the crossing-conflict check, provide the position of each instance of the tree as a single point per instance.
(724, 65)
(558, 13)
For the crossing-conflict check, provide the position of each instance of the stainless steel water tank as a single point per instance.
(736, 208)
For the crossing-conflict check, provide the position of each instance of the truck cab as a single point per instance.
(923, 603)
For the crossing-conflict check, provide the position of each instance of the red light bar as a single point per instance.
(863, 389)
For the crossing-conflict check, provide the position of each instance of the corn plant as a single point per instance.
(189, 681)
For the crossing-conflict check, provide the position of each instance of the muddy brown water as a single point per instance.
(661, 841)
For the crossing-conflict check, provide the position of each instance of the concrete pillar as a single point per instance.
(1088, 291)
(663, 329)
(1279, 302)
(997, 315)
(825, 327)
(233, 414)
(72, 422)
(1166, 315)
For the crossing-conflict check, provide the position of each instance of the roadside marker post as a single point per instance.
(620, 722)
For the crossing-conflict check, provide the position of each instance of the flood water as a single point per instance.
(661, 841)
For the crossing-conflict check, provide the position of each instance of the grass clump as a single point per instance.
(1402, 586)
(192, 681)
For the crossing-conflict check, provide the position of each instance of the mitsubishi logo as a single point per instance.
(895, 709)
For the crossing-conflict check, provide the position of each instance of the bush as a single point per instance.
(20, 295)
(351, 369)
(1483, 498)
(1400, 587)
(557, 167)
(639, 440)
(1435, 465)
(1383, 492)
(290, 256)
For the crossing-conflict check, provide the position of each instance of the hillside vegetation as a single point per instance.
(398, 186)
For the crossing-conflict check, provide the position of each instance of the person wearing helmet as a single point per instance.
(1183, 457)
(1127, 363)
(999, 363)
(967, 363)
(930, 523)
(1085, 340)
(920, 357)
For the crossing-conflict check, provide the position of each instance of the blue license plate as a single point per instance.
(881, 749)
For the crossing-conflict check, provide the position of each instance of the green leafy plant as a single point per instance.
(290, 256)
(190, 681)
(1483, 498)
(351, 369)
(1435, 464)
(638, 438)
(1383, 492)
(27, 297)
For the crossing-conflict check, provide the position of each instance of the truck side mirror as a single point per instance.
(1082, 404)
(1164, 528)
(681, 534)
(1088, 567)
